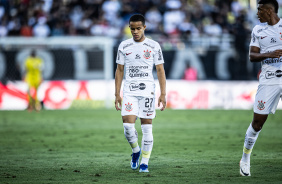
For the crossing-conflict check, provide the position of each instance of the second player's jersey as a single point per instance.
(33, 67)
(269, 38)
(138, 59)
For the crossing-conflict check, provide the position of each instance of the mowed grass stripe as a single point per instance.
(88, 146)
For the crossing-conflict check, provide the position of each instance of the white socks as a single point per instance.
(132, 136)
(250, 139)
(147, 142)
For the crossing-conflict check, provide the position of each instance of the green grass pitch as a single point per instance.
(88, 146)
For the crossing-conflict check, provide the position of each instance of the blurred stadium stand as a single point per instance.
(78, 39)
(216, 31)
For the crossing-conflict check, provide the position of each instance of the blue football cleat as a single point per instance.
(135, 160)
(143, 168)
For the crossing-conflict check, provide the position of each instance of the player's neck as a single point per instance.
(141, 40)
(274, 20)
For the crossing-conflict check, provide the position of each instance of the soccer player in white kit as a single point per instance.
(137, 56)
(265, 47)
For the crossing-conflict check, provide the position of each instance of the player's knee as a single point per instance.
(130, 132)
(257, 125)
(128, 126)
(147, 129)
(146, 121)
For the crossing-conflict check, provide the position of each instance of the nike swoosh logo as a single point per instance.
(128, 53)
(262, 37)
(149, 114)
(244, 173)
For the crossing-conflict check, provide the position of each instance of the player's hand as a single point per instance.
(118, 103)
(276, 53)
(163, 101)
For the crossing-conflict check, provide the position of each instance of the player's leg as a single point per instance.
(33, 85)
(37, 104)
(29, 93)
(147, 113)
(129, 113)
(250, 140)
(147, 143)
(33, 96)
(30, 99)
(130, 132)
(266, 102)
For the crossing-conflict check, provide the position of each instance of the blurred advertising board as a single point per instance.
(73, 94)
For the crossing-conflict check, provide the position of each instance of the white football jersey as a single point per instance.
(269, 38)
(138, 59)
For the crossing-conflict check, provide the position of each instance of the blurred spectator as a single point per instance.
(26, 30)
(127, 9)
(2, 11)
(190, 73)
(240, 33)
(3, 30)
(41, 29)
(211, 28)
(84, 26)
(57, 30)
(187, 28)
(111, 9)
(153, 20)
(47, 5)
(76, 16)
(197, 13)
(14, 26)
(173, 17)
(236, 8)
(98, 27)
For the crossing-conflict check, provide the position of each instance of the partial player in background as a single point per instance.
(33, 77)
(137, 56)
(265, 47)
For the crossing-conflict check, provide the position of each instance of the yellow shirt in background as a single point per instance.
(33, 66)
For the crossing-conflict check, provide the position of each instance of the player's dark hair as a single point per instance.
(136, 18)
(274, 3)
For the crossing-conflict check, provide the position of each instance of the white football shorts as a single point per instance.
(142, 107)
(267, 98)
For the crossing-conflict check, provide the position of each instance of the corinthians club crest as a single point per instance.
(147, 54)
(128, 107)
(261, 105)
